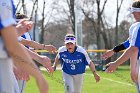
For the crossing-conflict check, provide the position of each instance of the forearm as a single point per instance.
(118, 48)
(32, 44)
(36, 45)
(34, 55)
(92, 67)
(56, 61)
(11, 44)
(125, 56)
(133, 60)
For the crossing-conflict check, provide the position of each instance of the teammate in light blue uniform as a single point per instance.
(7, 78)
(27, 36)
(73, 59)
(26, 40)
(133, 47)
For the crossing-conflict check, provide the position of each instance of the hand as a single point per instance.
(46, 62)
(107, 54)
(111, 67)
(50, 48)
(20, 74)
(24, 26)
(97, 77)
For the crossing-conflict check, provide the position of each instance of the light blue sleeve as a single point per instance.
(6, 13)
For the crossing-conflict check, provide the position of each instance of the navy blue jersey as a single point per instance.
(7, 11)
(73, 63)
(126, 44)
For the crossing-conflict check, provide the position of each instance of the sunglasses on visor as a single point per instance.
(69, 38)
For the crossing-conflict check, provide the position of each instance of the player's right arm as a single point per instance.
(92, 68)
(116, 49)
(56, 61)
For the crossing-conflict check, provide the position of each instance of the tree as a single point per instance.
(117, 18)
(95, 17)
(42, 23)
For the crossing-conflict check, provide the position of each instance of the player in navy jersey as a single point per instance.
(132, 45)
(73, 59)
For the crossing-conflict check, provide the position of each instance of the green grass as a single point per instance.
(117, 82)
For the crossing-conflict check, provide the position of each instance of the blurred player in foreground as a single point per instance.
(132, 45)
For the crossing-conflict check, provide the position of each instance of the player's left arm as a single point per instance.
(92, 68)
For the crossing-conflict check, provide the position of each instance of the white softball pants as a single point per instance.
(8, 82)
(138, 85)
(72, 83)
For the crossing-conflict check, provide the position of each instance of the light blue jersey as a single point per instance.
(8, 81)
(134, 40)
(134, 37)
(25, 36)
(7, 11)
(73, 63)
(20, 38)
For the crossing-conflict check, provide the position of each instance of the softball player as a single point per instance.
(7, 78)
(73, 59)
(26, 40)
(21, 83)
(133, 48)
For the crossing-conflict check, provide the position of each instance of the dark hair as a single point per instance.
(20, 16)
(136, 4)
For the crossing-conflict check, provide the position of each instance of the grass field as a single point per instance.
(117, 82)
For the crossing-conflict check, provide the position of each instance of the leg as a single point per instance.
(138, 85)
(68, 82)
(16, 87)
(7, 77)
(78, 81)
(21, 84)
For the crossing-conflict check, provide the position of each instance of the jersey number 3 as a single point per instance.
(72, 66)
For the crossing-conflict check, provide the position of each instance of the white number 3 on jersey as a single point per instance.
(72, 66)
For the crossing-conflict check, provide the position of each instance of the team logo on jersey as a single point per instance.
(7, 6)
(78, 55)
(63, 55)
